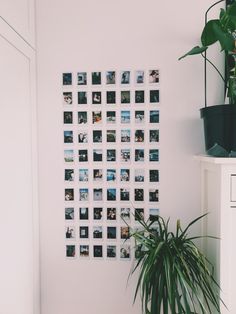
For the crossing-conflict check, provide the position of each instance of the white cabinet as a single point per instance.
(219, 200)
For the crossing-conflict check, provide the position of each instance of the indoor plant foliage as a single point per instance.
(174, 275)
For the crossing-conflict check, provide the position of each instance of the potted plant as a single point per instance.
(220, 120)
(174, 275)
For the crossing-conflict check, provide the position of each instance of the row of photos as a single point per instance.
(111, 159)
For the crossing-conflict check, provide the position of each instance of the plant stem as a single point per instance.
(215, 68)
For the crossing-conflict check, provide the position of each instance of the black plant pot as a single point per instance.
(220, 130)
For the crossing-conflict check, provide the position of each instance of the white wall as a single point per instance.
(99, 35)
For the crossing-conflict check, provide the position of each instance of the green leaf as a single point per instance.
(231, 10)
(209, 36)
(226, 40)
(194, 51)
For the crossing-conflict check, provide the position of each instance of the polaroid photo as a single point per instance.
(139, 155)
(111, 155)
(97, 195)
(68, 155)
(83, 155)
(154, 116)
(70, 232)
(125, 214)
(139, 214)
(111, 233)
(70, 251)
(111, 175)
(124, 194)
(82, 78)
(97, 117)
(97, 175)
(97, 251)
(67, 98)
(111, 136)
(153, 155)
(111, 213)
(153, 76)
(68, 117)
(139, 175)
(84, 251)
(97, 155)
(69, 213)
(125, 77)
(111, 194)
(68, 137)
(139, 116)
(84, 232)
(96, 98)
(69, 175)
(97, 136)
(69, 194)
(97, 232)
(139, 136)
(153, 136)
(125, 252)
(125, 136)
(139, 195)
(153, 214)
(124, 175)
(96, 78)
(83, 213)
(154, 96)
(83, 195)
(111, 97)
(111, 251)
(82, 137)
(153, 195)
(124, 232)
(125, 116)
(111, 117)
(82, 117)
(154, 175)
(82, 98)
(125, 155)
(139, 96)
(66, 79)
(97, 213)
(110, 77)
(125, 97)
(139, 77)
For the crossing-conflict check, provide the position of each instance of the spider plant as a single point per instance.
(174, 275)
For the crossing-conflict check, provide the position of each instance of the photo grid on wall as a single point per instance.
(110, 136)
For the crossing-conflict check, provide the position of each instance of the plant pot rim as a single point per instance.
(218, 109)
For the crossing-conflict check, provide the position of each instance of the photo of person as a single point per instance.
(139, 77)
(69, 194)
(82, 78)
(83, 195)
(97, 194)
(96, 98)
(111, 213)
(111, 117)
(124, 194)
(97, 117)
(111, 97)
(68, 117)
(154, 116)
(124, 175)
(111, 232)
(69, 213)
(153, 214)
(68, 155)
(111, 194)
(125, 97)
(82, 117)
(125, 77)
(154, 96)
(153, 195)
(139, 175)
(125, 155)
(97, 232)
(84, 232)
(67, 98)
(83, 175)
(69, 175)
(139, 154)
(97, 175)
(139, 195)
(111, 155)
(70, 251)
(111, 251)
(97, 251)
(139, 96)
(97, 136)
(153, 136)
(139, 116)
(96, 78)
(111, 136)
(125, 136)
(125, 252)
(153, 154)
(125, 116)
(125, 214)
(70, 232)
(153, 76)
(82, 137)
(110, 77)
(83, 155)
(82, 98)
(83, 213)
(154, 175)
(97, 213)
(139, 136)
(139, 214)
(68, 136)
(111, 175)
(84, 250)
(67, 79)
(97, 155)
(124, 232)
